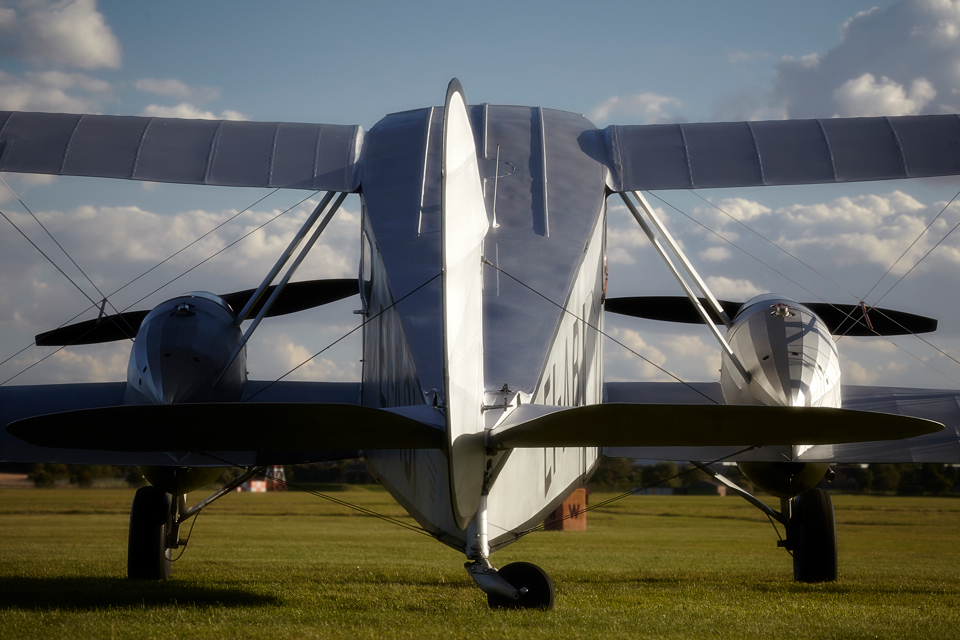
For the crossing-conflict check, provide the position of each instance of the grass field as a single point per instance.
(294, 566)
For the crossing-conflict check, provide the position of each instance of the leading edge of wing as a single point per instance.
(781, 152)
(669, 425)
(213, 152)
(235, 427)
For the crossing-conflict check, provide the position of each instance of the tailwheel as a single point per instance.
(813, 537)
(536, 588)
(148, 556)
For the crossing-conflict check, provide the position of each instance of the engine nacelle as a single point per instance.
(182, 348)
(792, 361)
(789, 353)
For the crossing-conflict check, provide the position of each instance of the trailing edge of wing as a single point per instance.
(780, 152)
(665, 425)
(215, 152)
(235, 427)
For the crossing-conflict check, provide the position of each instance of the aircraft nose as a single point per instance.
(809, 382)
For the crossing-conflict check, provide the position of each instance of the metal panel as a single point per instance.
(741, 154)
(229, 153)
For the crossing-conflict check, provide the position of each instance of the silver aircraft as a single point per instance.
(482, 282)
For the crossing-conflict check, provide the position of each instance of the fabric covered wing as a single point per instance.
(780, 152)
(214, 152)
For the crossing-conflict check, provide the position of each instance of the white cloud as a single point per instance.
(621, 364)
(737, 57)
(173, 88)
(116, 244)
(742, 209)
(714, 254)
(865, 96)
(53, 91)
(702, 358)
(186, 110)
(738, 290)
(65, 33)
(898, 60)
(648, 107)
(275, 355)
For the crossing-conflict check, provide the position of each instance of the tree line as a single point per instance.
(613, 474)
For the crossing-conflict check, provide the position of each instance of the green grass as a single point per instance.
(294, 566)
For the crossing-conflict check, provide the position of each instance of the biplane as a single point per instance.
(482, 287)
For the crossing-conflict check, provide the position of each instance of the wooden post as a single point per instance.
(571, 515)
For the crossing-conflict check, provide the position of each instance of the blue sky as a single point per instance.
(352, 63)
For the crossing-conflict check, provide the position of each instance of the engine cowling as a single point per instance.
(181, 349)
(792, 361)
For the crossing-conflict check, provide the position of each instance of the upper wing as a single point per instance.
(779, 152)
(214, 152)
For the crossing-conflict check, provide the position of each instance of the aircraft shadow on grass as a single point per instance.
(96, 593)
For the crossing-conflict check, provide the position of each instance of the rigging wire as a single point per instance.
(919, 261)
(766, 239)
(343, 337)
(905, 251)
(60, 246)
(49, 259)
(241, 238)
(156, 266)
(747, 253)
(635, 491)
(600, 331)
(342, 503)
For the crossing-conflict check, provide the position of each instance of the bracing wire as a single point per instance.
(154, 267)
(56, 242)
(337, 501)
(635, 491)
(599, 330)
(905, 251)
(343, 337)
(780, 273)
(169, 282)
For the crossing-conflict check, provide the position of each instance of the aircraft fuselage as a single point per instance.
(544, 191)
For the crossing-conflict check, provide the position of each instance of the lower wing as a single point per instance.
(942, 446)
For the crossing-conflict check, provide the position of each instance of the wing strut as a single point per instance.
(297, 239)
(668, 239)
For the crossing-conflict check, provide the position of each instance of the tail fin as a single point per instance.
(463, 225)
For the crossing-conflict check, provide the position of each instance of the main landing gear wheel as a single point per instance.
(148, 557)
(539, 593)
(813, 530)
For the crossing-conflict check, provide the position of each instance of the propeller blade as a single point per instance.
(296, 296)
(841, 319)
(121, 326)
(668, 308)
(848, 320)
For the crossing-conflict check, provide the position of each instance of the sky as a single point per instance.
(353, 63)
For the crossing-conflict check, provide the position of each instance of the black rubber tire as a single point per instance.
(814, 532)
(148, 557)
(540, 590)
